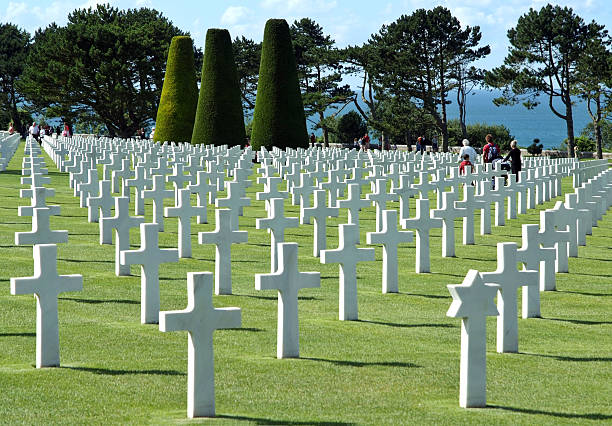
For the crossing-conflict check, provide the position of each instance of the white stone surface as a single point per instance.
(46, 285)
(348, 255)
(184, 211)
(353, 203)
(200, 319)
(276, 223)
(423, 223)
(234, 201)
(288, 280)
(536, 258)
(390, 237)
(204, 191)
(319, 212)
(379, 198)
(223, 237)
(38, 197)
(140, 183)
(41, 230)
(150, 257)
(448, 214)
(102, 202)
(473, 301)
(158, 193)
(509, 279)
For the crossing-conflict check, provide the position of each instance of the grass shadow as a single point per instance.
(17, 334)
(111, 372)
(85, 261)
(583, 293)
(579, 322)
(345, 363)
(586, 416)
(264, 421)
(427, 296)
(399, 325)
(99, 301)
(254, 296)
(571, 358)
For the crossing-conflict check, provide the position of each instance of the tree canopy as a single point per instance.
(14, 48)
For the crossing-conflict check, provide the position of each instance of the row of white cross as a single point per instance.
(287, 280)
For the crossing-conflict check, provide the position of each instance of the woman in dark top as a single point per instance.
(515, 156)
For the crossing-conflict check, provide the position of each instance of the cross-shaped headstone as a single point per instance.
(158, 194)
(334, 185)
(423, 223)
(390, 237)
(200, 320)
(536, 258)
(184, 211)
(354, 203)
(584, 218)
(473, 301)
(41, 230)
(223, 237)
(448, 214)
(39, 200)
(509, 279)
(319, 212)
(149, 256)
(89, 188)
(46, 285)
(124, 173)
(103, 201)
(499, 195)
(379, 197)
(424, 186)
(288, 281)
(567, 219)
(234, 201)
(139, 182)
(271, 190)
(122, 222)
(276, 223)
(469, 204)
(178, 179)
(404, 191)
(204, 191)
(550, 236)
(485, 198)
(348, 255)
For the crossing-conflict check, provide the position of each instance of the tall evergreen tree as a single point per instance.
(219, 118)
(545, 49)
(247, 55)
(279, 113)
(177, 106)
(14, 47)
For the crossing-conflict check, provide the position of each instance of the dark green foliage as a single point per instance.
(219, 118)
(605, 127)
(106, 63)
(535, 148)
(348, 127)
(279, 113)
(177, 106)
(14, 47)
(477, 132)
(546, 47)
(247, 55)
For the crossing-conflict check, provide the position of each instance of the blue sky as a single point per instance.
(348, 22)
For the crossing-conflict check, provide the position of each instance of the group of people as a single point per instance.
(421, 143)
(491, 154)
(38, 132)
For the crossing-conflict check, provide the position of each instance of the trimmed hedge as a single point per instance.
(179, 97)
(219, 118)
(278, 119)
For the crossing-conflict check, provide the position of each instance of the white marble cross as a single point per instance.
(276, 223)
(184, 211)
(424, 186)
(41, 230)
(300, 194)
(334, 186)
(158, 194)
(390, 237)
(404, 191)
(536, 258)
(223, 237)
(204, 191)
(552, 237)
(354, 203)
(469, 204)
(124, 173)
(348, 255)
(122, 222)
(423, 223)
(200, 319)
(509, 279)
(319, 212)
(178, 179)
(234, 201)
(485, 198)
(150, 257)
(90, 188)
(448, 214)
(103, 201)
(140, 182)
(39, 200)
(499, 195)
(271, 189)
(473, 301)
(46, 285)
(288, 280)
(584, 218)
(567, 219)
(379, 197)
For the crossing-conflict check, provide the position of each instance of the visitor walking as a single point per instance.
(34, 131)
(66, 131)
(418, 144)
(515, 157)
(465, 163)
(313, 139)
(490, 151)
(423, 143)
(467, 149)
(434, 144)
(11, 128)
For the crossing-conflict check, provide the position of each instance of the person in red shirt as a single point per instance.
(464, 163)
(486, 157)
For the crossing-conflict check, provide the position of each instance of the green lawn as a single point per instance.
(398, 364)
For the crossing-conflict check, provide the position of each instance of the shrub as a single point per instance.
(278, 119)
(476, 134)
(606, 133)
(179, 96)
(219, 118)
(535, 148)
(349, 126)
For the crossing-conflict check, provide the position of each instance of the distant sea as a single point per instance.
(525, 125)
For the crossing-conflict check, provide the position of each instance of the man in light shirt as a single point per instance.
(467, 149)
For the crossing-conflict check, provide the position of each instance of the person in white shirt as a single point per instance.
(34, 130)
(467, 149)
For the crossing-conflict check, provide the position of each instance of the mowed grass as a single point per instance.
(398, 364)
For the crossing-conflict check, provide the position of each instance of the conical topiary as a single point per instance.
(279, 118)
(219, 119)
(179, 97)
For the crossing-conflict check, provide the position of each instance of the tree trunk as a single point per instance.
(598, 141)
(569, 120)
(325, 131)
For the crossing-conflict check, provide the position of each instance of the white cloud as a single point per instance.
(143, 3)
(235, 14)
(15, 10)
